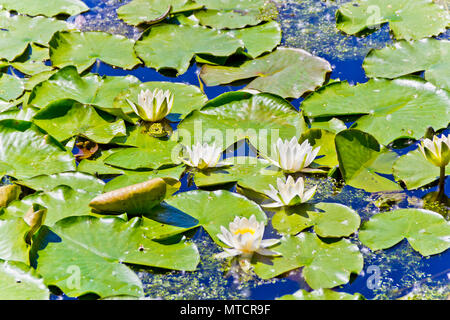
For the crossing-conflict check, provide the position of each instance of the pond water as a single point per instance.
(387, 274)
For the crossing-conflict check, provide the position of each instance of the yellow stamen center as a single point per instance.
(244, 230)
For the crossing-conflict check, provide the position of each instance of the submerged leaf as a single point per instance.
(321, 294)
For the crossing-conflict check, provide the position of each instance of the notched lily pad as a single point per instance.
(328, 219)
(408, 19)
(75, 244)
(324, 265)
(82, 49)
(426, 231)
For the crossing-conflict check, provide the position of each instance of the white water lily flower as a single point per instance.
(437, 151)
(153, 106)
(293, 157)
(203, 156)
(289, 193)
(244, 237)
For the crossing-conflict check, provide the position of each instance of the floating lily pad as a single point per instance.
(96, 250)
(231, 4)
(325, 140)
(174, 46)
(82, 49)
(321, 294)
(328, 219)
(12, 242)
(229, 19)
(61, 202)
(76, 180)
(286, 72)
(90, 89)
(20, 282)
(131, 178)
(426, 231)
(186, 97)
(65, 119)
(416, 171)
(44, 7)
(324, 265)
(408, 57)
(17, 32)
(238, 115)
(211, 209)
(408, 19)
(32, 63)
(10, 87)
(139, 12)
(28, 152)
(361, 161)
(259, 39)
(98, 167)
(151, 153)
(248, 172)
(390, 109)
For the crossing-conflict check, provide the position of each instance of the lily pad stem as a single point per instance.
(441, 192)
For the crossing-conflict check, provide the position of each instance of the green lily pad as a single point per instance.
(361, 160)
(174, 46)
(416, 171)
(212, 209)
(438, 75)
(82, 49)
(328, 219)
(248, 172)
(76, 180)
(96, 250)
(321, 294)
(229, 19)
(37, 78)
(28, 152)
(12, 242)
(426, 231)
(44, 7)
(231, 4)
(90, 89)
(408, 19)
(20, 282)
(151, 153)
(390, 109)
(325, 140)
(259, 39)
(139, 12)
(324, 265)
(131, 178)
(61, 202)
(408, 57)
(261, 118)
(186, 97)
(65, 119)
(10, 87)
(32, 63)
(17, 32)
(286, 72)
(98, 167)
